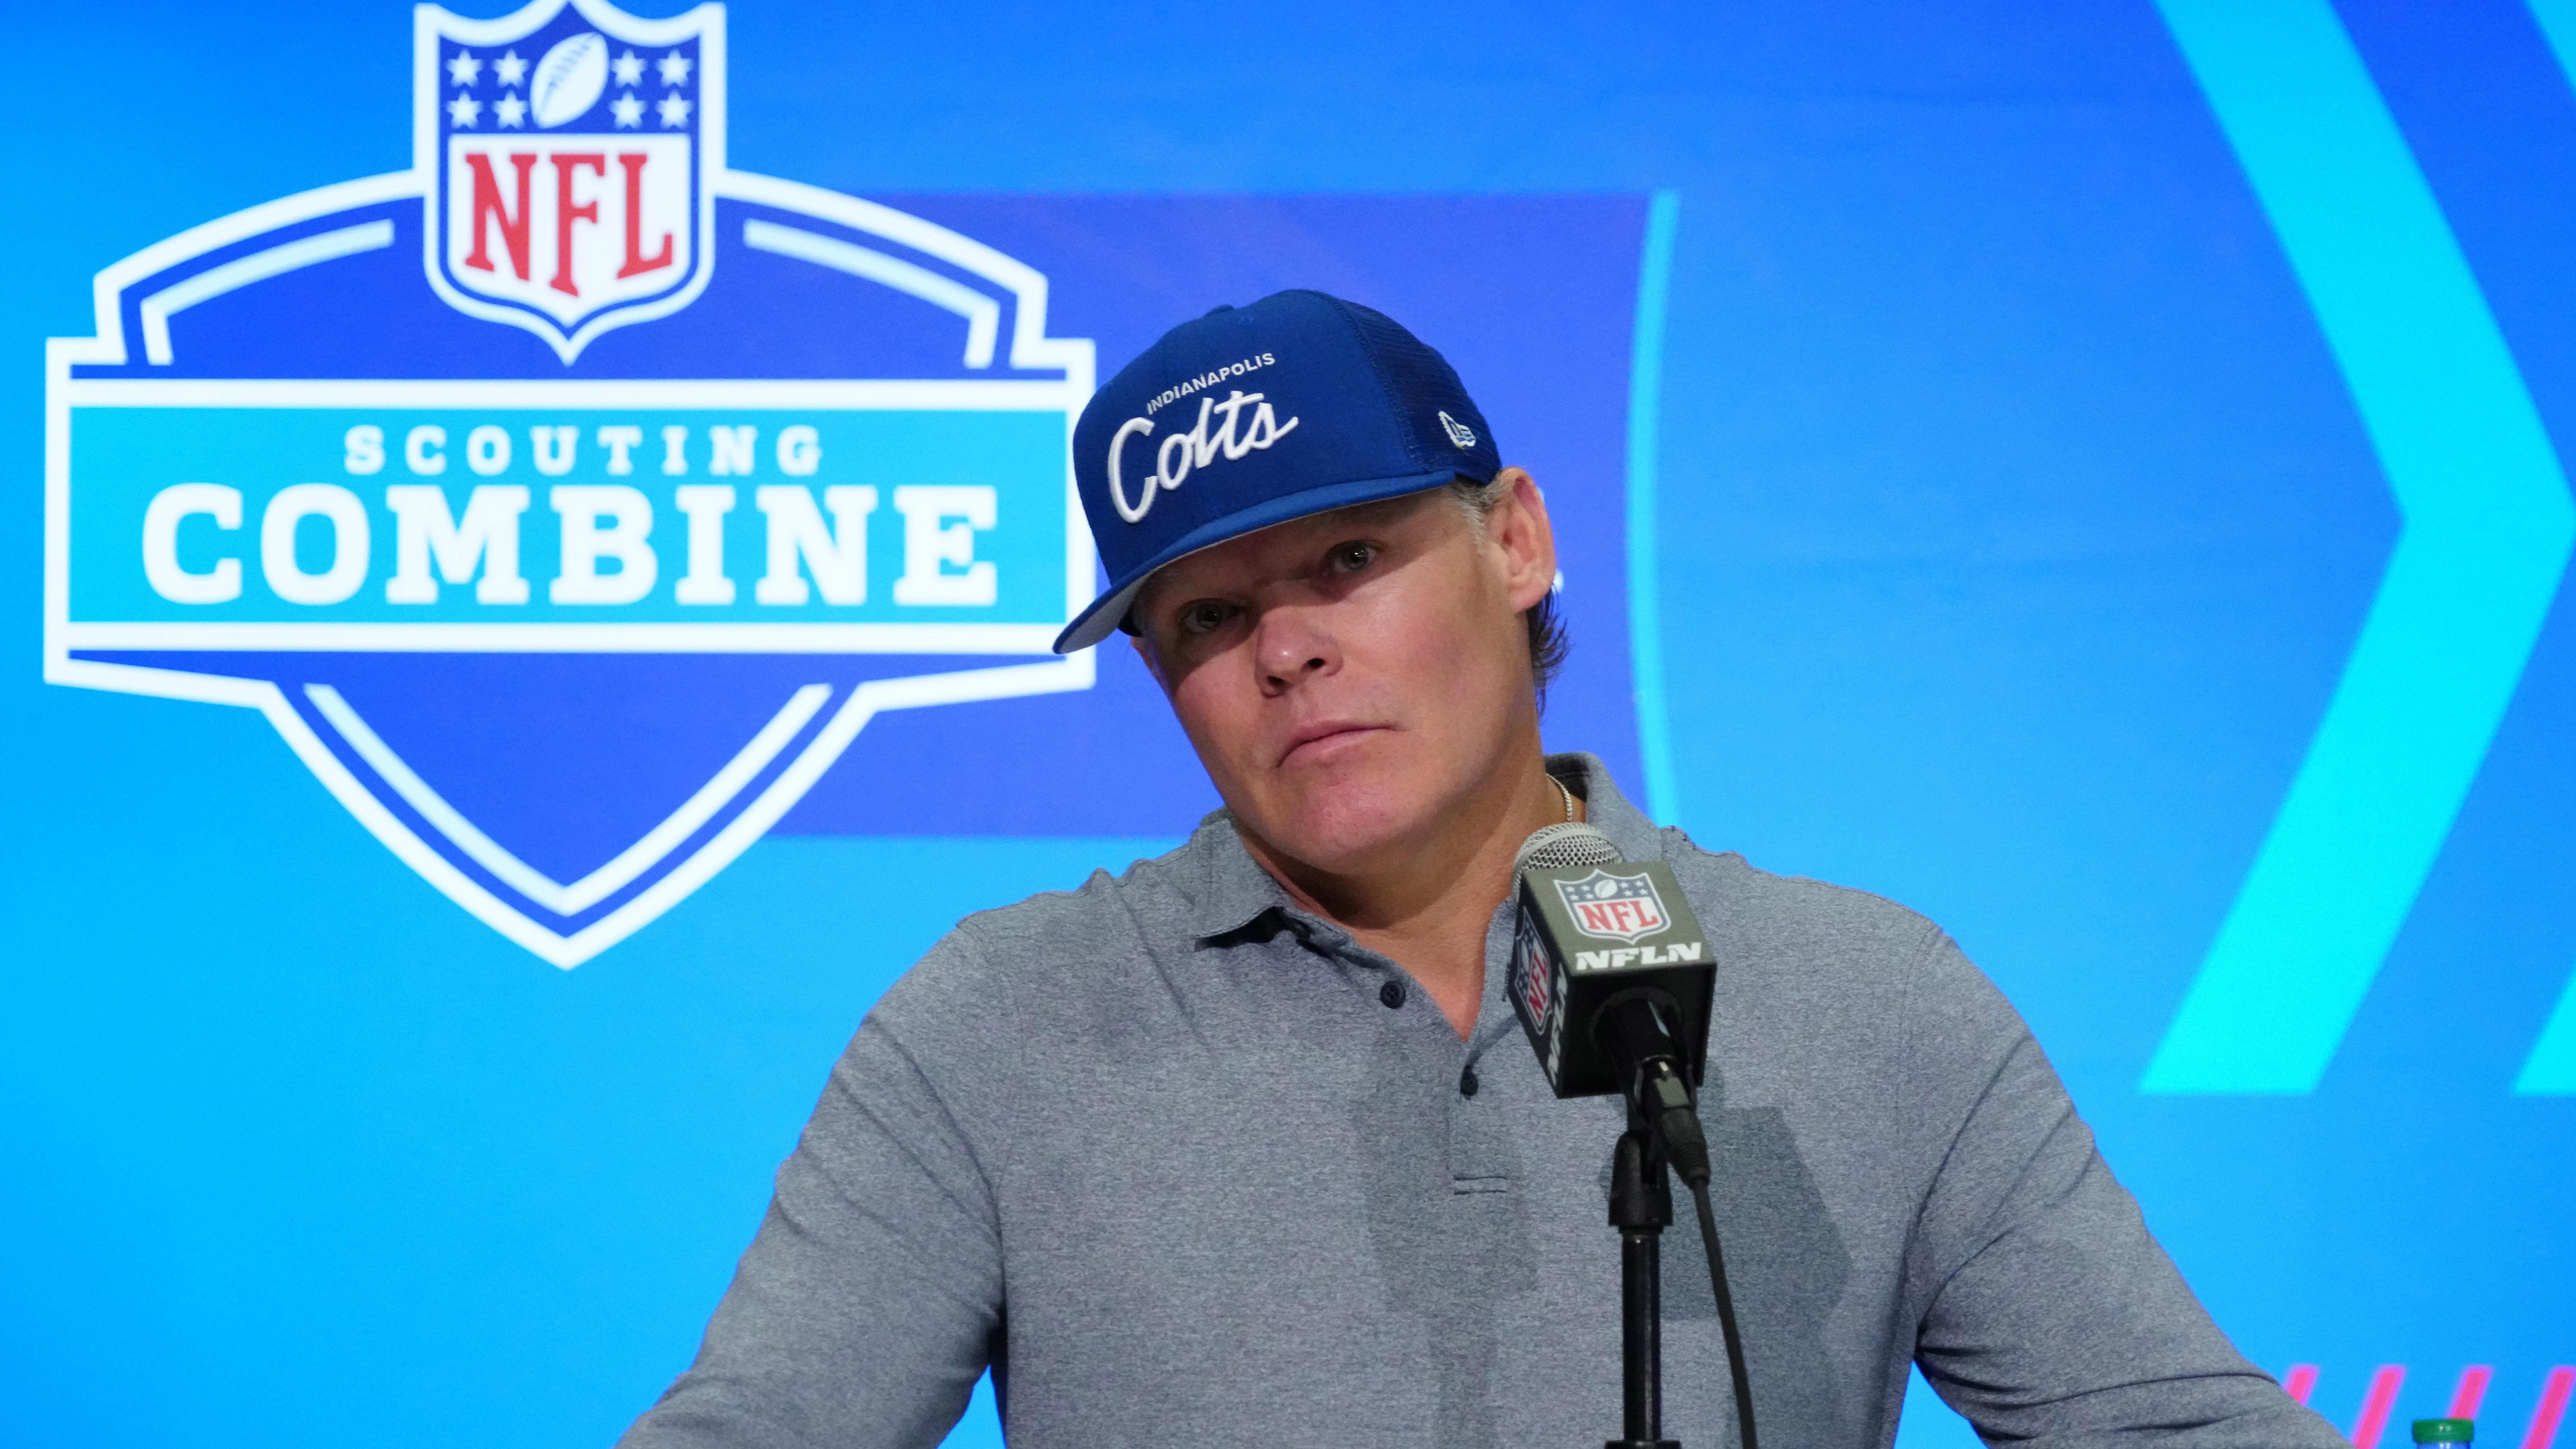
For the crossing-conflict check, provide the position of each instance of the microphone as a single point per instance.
(1611, 977)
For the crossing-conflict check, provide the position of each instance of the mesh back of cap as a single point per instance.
(1421, 386)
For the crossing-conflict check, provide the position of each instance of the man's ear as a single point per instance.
(1519, 527)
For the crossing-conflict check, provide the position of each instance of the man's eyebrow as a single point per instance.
(1328, 525)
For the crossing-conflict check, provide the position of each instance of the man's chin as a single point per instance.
(1350, 831)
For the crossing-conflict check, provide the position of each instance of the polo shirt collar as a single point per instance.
(1231, 890)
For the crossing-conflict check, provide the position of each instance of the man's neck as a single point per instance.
(1429, 913)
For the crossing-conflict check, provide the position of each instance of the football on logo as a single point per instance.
(567, 627)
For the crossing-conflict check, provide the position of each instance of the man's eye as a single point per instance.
(1350, 558)
(1204, 617)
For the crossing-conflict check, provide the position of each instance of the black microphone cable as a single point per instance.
(1686, 1148)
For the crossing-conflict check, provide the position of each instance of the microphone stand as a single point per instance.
(1641, 1207)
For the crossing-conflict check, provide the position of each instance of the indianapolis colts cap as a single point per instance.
(1255, 415)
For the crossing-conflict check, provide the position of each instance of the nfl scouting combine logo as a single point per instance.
(566, 564)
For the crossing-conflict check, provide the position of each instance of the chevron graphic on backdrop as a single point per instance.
(2551, 1070)
(2486, 534)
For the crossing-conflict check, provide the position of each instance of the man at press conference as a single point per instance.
(1246, 1146)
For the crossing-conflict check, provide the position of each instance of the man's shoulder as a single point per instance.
(1792, 911)
(1830, 955)
(1755, 918)
(1085, 938)
(1148, 897)
(1859, 994)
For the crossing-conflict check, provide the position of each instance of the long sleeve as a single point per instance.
(868, 1304)
(2054, 1316)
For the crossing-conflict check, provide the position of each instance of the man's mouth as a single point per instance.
(1314, 740)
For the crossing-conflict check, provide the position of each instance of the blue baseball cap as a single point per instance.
(1255, 415)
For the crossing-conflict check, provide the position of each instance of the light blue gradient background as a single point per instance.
(2013, 526)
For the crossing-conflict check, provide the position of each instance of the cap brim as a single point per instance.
(1103, 614)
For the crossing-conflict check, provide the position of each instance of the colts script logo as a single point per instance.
(564, 576)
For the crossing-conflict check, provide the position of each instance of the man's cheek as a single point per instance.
(1223, 743)
(1178, 669)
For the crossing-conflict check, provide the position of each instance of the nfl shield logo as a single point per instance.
(572, 146)
(1530, 965)
(1615, 907)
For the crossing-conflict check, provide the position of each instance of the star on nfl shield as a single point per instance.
(566, 578)
(1615, 907)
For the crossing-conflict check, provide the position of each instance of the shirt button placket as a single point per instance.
(1392, 993)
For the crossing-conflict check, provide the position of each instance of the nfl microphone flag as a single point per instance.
(1587, 933)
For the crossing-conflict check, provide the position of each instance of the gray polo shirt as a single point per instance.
(1187, 1166)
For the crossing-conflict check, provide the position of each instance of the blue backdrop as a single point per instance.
(2084, 471)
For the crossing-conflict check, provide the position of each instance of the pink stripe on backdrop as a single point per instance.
(2376, 1404)
(2471, 1392)
(2300, 1382)
(2553, 1407)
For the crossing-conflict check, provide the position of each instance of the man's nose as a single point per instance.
(1291, 646)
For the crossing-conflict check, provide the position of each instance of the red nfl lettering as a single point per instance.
(567, 212)
(1625, 919)
(632, 163)
(488, 207)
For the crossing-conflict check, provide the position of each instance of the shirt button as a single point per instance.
(1467, 1082)
(1392, 993)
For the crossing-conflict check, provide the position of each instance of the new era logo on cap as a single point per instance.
(1296, 404)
